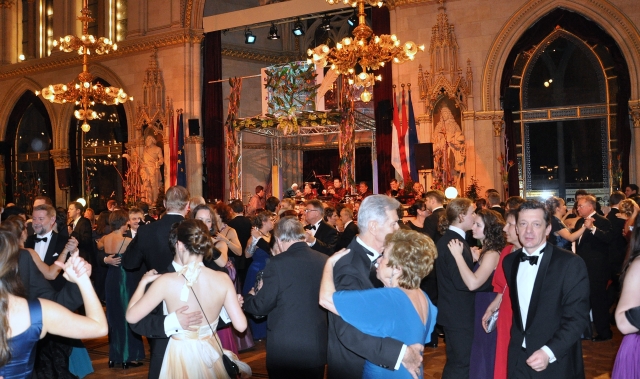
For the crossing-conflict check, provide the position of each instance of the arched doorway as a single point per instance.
(565, 90)
(29, 167)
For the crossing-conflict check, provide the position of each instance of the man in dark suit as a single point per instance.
(493, 202)
(593, 247)
(144, 207)
(150, 250)
(618, 246)
(47, 243)
(242, 225)
(297, 326)
(81, 230)
(320, 235)
(350, 229)
(348, 347)
(456, 303)
(631, 192)
(550, 302)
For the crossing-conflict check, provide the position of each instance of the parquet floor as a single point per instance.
(598, 359)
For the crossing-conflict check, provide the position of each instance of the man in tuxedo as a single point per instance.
(350, 229)
(144, 207)
(550, 301)
(456, 303)
(348, 347)
(297, 326)
(81, 229)
(320, 235)
(136, 219)
(242, 225)
(593, 247)
(46, 242)
(618, 246)
(493, 202)
(150, 250)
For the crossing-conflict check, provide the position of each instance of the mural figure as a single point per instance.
(449, 148)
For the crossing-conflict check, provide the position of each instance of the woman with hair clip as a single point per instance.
(24, 322)
(487, 228)
(560, 234)
(194, 353)
(627, 314)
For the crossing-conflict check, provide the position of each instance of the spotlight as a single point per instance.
(353, 20)
(249, 38)
(273, 32)
(297, 29)
(326, 23)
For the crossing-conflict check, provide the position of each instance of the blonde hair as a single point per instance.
(414, 253)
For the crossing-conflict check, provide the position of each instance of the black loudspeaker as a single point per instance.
(64, 178)
(194, 127)
(424, 156)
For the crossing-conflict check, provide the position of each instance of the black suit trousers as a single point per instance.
(458, 349)
(157, 347)
(600, 307)
(310, 373)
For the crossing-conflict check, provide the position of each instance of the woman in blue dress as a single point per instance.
(24, 322)
(258, 248)
(560, 234)
(401, 310)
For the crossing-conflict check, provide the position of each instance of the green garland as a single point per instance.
(289, 123)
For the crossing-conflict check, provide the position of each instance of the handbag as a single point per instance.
(230, 366)
(492, 322)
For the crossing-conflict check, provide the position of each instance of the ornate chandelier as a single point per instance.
(82, 91)
(365, 49)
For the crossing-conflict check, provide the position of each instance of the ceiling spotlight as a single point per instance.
(353, 20)
(326, 23)
(297, 29)
(273, 32)
(249, 38)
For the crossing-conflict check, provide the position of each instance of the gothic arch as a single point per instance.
(14, 94)
(61, 129)
(196, 7)
(602, 12)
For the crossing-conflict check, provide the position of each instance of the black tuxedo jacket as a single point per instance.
(618, 246)
(431, 225)
(151, 245)
(326, 239)
(345, 238)
(297, 325)
(456, 303)
(348, 347)
(594, 248)
(82, 232)
(498, 209)
(558, 312)
(242, 225)
(37, 286)
(56, 245)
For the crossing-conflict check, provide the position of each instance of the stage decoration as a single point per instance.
(505, 166)
(347, 147)
(83, 91)
(233, 153)
(364, 49)
(474, 190)
(302, 119)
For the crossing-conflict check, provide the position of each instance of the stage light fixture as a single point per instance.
(273, 32)
(249, 38)
(326, 23)
(297, 29)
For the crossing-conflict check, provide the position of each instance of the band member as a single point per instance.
(363, 191)
(337, 192)
(309, 192)
(395, 190)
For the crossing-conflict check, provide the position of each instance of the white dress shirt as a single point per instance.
(42, 246)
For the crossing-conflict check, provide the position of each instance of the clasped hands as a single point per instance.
(74, 268)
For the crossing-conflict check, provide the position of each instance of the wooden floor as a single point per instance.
(598, 360)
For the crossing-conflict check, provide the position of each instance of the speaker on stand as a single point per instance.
(64, 182)
(424, 160)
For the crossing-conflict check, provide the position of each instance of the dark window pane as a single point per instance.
(32, 133)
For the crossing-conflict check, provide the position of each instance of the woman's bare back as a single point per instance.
(114, 243)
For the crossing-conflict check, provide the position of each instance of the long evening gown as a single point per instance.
(258, 325)
(483, 348)
(386, 312)
(23, 346)
(628, 359)
(503, 327)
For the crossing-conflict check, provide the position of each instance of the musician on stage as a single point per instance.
(363, 191)
(309, 193)
(292, 192)
(337, 192)
(395, 190)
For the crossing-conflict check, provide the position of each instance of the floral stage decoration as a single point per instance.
(233, 154)
(289, 123)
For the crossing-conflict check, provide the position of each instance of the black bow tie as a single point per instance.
(533, 259)
(310, 227)
(43, 239)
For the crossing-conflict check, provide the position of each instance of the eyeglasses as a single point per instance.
(311, 210)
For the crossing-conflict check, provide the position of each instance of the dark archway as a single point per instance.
(609, 54)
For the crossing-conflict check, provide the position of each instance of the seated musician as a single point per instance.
(337, 192)
(363, 191)
(395, 190)
(309, 192)
(292, 192)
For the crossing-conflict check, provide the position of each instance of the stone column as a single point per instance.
(6, 31)
(60, 160)
(498, 129)
(634, 156)
(193, 151)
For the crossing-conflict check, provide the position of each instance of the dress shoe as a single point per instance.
(600, 339)
(111, 364)
(431, 344)
(126, 365)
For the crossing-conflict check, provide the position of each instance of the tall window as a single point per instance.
(49, 25)
(121, 19)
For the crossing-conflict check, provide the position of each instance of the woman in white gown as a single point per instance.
(191, 353)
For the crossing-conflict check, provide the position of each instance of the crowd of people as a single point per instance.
(338, 285)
